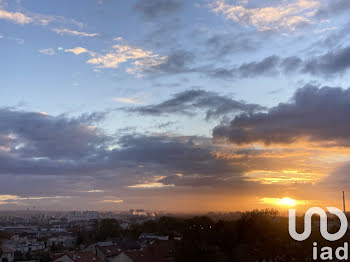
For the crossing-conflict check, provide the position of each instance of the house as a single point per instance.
(79, 256)
(62, 240)
(92, 247)
(30, 247)
(107, 252)
(7, 253)
(20, 238)
(24, 243)
(137, 256)
(158, 251)
(145, 239)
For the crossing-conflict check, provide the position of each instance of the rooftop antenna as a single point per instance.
(344, 202)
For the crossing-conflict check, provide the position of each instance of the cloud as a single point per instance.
(334, 40)
(332, 63)
(35, 144)
(71, 156)
(124, 53)
(150, 185)
(165, 125)
(286, 16)
(44, 156)
(266, 67)
(115, 201)
(334, 7)
(35, 18)
(94, 191)
(16, 17)
(313, 114)
(6, 199)
(66, 31)
(38, 135)
(187, 102)
(154, 65)
(225, 44)
(176, 62)
(77, 50)
(141, 60)
(128, 100)
(47, 51)
(326, 29)
(291, 64)
(173, 155)
(152, 9)
(338, 177)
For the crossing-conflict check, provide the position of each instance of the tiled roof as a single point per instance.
(159, 251)
(84, 256)
(140, 256)
(110, 251)
(79, 256)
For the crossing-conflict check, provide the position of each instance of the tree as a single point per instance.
(108, 228)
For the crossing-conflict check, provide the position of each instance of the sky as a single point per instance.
(174, 105)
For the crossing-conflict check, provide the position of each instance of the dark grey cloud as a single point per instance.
(182, 62)
(177, 62)
(35, 144)
(319, 114)
(188, 101)
(291, 64)
(40, 144)
(265, 67)
(188, 156)
(152, 9)
(334, 7)
(165, 125)
(333, 40)
(165, 36)
(39, 135)
(332, 63)
(15, 165)
(226, 44)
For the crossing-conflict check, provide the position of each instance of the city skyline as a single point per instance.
(173, 105)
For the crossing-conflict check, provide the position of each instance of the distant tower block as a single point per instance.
(344, 203)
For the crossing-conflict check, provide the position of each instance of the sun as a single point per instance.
(286, 201)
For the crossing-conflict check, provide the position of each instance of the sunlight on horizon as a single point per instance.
(285, 201)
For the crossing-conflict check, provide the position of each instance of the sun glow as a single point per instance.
(286, 201)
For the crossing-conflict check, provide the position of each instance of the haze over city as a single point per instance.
(173, 105)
